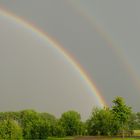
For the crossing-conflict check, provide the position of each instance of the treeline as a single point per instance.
(29, 124)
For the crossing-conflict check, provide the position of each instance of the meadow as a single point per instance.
(71, 138)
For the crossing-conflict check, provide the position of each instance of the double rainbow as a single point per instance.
(68, 57)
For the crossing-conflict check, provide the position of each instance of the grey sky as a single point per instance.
(33, 75)
(63, 21)
(121, 21)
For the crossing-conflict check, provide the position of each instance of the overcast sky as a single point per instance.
(76, 25)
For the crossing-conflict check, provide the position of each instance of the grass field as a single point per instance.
(136, 132)
(67, 138)
(119, 139)
(93, 139)
(125, 139)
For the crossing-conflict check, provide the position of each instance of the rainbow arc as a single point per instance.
(54, 44)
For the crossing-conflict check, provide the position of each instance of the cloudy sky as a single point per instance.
(103, 36)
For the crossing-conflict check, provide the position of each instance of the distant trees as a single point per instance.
(54, 125)
(34, 126)
(10, 130)
(71, 122)
(134, 121)
(51, 122)
(109, 121)
(121, 112)
(138, 120)
(29, 124)
(59, 130)
(102, 122)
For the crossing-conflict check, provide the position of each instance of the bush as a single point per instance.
(9, 129)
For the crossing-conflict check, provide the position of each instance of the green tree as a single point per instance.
(71, 122)
(134, 121)
(102, 122)
(9, 115)
(52, 123)
(59, 130)
(122, 113)
(138, 120)
(34, 126)
(84, 129)
(10, 130)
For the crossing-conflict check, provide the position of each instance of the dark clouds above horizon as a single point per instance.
(63, 21)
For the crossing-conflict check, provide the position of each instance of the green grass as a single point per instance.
(66, 138)
(119, 139)
(70, 138)
(125, 139)
(136, 132)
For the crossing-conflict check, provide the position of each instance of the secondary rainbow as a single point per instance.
(59, 48)
(112, 44)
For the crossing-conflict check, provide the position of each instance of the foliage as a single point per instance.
(102, 122)
(52, 123)
(9, 129)
(28, 124)
(138, 120)
(59, 130)
(9, 115)
(83, 129)
(64, 138)
(71, 122)
(121, 110)
(122, 113)
(134, 121)
(34, 126)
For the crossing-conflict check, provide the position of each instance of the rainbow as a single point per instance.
(83, 11)
(60, 50)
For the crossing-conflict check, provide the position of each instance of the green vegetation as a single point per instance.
(102, 122)
(71, 122)
(64, 138)
(118, 120)
(125, 139)
(33, 125)
(121, 113)
(72, 138)
(9, 129)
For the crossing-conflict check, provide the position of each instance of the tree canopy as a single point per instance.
(29, 124)
(102, 122)
(10, 130)
(71, 122)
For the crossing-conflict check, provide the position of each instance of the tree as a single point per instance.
(59, 130)
(9, 115)
(10, 130)
(134, 121)
(34, 126)
(122, 112)
(102, 122)
(138, 120)
(52, 123)
(71, 122)
(83, 129)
